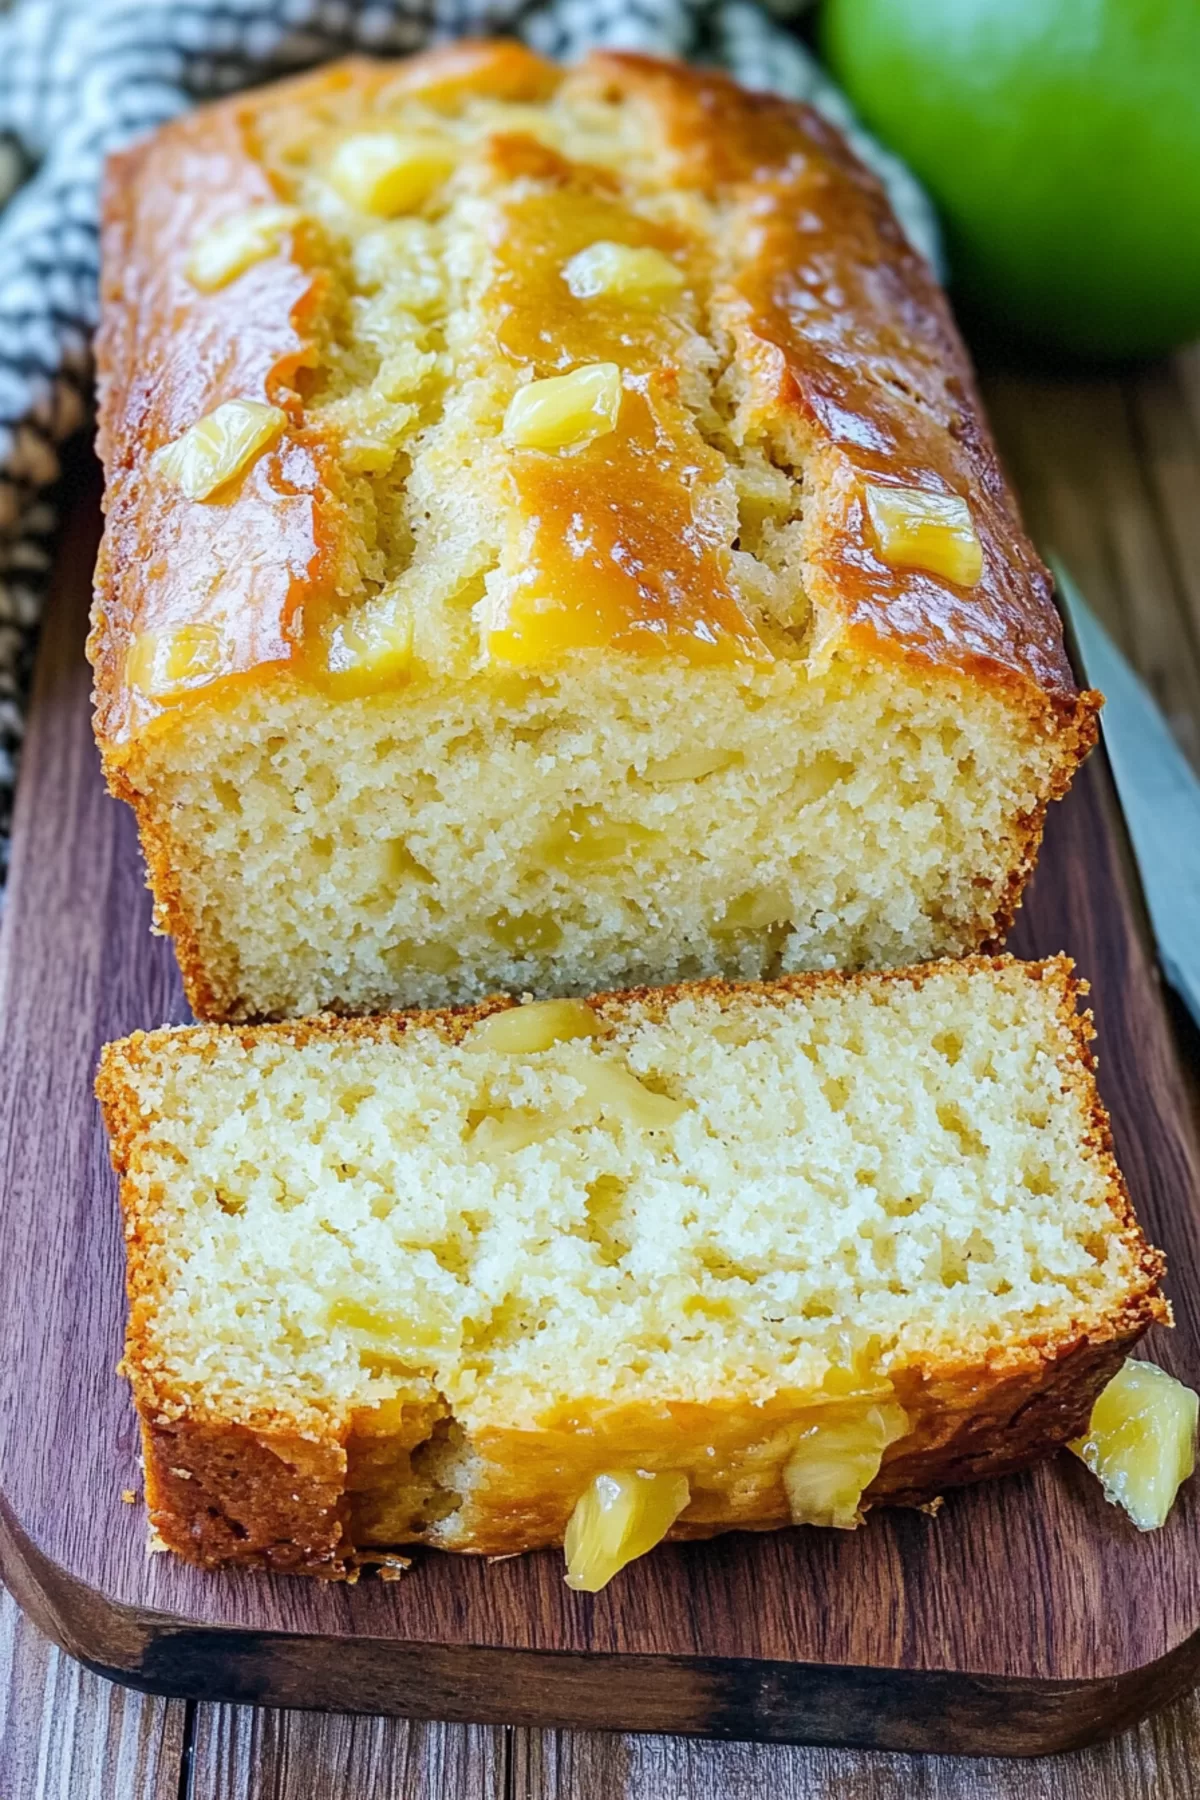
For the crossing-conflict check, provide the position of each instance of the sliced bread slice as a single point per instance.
(704, 1258)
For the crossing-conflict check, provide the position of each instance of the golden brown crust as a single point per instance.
(852, 362)
(852, 352)
(220, 1495)
(983, 1419)
(271, 1496)
(167, 355)
(993, 1423)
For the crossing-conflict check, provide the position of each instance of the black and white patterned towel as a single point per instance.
(79, 78)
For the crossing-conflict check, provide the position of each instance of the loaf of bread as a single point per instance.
(722, 1256)
(553, 543)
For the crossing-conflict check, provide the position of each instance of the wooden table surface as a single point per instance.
(1108, 468)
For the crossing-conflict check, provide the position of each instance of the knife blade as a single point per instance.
(1159, 793)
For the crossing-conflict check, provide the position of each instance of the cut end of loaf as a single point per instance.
(582, 831)
(443, 1273)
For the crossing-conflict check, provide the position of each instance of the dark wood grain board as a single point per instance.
(1028, 1616)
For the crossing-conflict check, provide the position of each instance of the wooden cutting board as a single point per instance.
(1028, 1616)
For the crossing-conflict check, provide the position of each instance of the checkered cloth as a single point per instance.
(79, 78)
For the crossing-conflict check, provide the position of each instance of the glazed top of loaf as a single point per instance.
(382, 258)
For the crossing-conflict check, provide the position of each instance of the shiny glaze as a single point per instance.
(168, 355)
(447, 76)
(611, 545)
(618, 543)
(852, 361)
(854, 355)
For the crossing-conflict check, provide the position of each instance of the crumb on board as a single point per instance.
(388, 1565)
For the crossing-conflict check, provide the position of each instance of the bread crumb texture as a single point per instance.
(480, 1273)
(552, 646)
(588, 831)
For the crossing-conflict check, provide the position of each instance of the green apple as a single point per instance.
(1061, 141)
